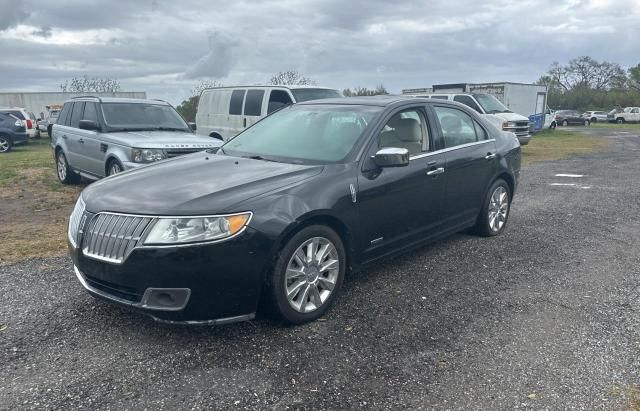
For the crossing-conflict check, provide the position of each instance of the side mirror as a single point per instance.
(192, 125)
(89, 125)
(391, 157)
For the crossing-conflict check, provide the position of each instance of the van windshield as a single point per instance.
(306, 94)
(490, 104)
(304, 134)
(140, 116)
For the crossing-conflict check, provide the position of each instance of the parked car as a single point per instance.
(570, 117)
(496, 112)
(595, 116)
(628, 115)
(34, 123)
(12, 132)
(223, 112)
(308, 193)
(51, 119)
(96, 137)
(21, 114)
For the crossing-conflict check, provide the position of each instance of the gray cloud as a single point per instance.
(218, 62)
(12, 12)
(163, 47)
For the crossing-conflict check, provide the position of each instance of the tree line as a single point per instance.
(588, 84)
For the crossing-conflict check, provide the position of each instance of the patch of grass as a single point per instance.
(34, 205)
(557, 144)
(615, 125)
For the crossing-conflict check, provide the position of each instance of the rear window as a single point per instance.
(14, 113)
(306, 94)
(64, 114)
(76, 114)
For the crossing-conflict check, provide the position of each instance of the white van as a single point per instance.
(223, 112)
(493, 110)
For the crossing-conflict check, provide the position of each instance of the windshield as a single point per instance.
(490, 104)
(141, 116)
(306, 94)
(54, 114)
(304, 134)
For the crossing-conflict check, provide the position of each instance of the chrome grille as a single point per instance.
(111, 237)
(76, 221)
(174, 152)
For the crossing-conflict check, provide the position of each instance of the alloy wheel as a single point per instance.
(62, 167)
(4, 145)
(498, 209)
(114, 168)
(312, 273)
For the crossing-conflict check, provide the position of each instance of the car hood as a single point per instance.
(164, 139)
(196, 184)
(511, 116)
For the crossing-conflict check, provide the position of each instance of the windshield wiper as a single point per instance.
(261, 158)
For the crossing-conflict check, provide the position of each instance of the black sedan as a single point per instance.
(570, 118)
(285, 209)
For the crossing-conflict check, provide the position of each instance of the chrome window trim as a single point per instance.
(445, 150)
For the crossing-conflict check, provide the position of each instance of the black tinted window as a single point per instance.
(90, 112)
(457, 126)
(15, 113)
(467, 101)
(480, 132)
(76, 115)
(440, 97)
(142, 116)
(253, 103)
(277, 100)
(235, 105)
(64, 114)
(306, 94)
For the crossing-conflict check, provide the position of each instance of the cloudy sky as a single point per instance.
(165, 47)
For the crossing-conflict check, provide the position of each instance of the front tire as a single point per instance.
(65, 174)
(114, 167)
(495, 210)
(307, 275)
(553, 125)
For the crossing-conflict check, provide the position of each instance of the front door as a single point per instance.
(400, 206)
(471, 163)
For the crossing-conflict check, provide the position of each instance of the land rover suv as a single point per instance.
(97, 137)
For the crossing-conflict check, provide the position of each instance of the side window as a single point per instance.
(277, 100)
(406, 129)
(467, 101)
(253, 103)
(457, 126)
(480, 132)
(64, 114)
(235, 104)
(90, 112)
(76, 114)
(441, 97)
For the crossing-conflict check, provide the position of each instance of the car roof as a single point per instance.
(379, 101)
(12, 108)
(287, 86)
(119, 100)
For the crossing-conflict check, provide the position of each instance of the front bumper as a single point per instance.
(206, 284)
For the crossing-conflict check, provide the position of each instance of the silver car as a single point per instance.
(97, 137)
(595, 116)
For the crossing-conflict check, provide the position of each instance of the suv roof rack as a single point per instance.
(96, 97)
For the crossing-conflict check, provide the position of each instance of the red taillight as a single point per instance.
(29, 124)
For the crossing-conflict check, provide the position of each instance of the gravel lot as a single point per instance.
(546, 316)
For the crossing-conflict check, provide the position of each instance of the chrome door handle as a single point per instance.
(435, 171)
(490, 156)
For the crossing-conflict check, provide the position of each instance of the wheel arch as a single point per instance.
(508, 178)
(107, 161)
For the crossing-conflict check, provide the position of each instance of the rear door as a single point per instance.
(93, 149)
(236, 120)
(66, 134)
(253, 106)
(470, 164)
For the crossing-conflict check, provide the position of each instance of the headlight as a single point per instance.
(196, 229)
(147, 155)
(509, 124)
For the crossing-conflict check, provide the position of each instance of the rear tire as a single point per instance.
(64, 173)
(587, 123)
(307, 275)
(565, 123)
(594, 120)
(495, 210)
(620, 120)
(5, 144)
